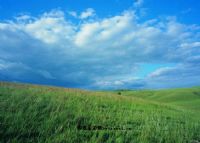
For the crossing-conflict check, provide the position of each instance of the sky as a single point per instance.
(101, 44)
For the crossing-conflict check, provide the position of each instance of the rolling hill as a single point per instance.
(45, 114)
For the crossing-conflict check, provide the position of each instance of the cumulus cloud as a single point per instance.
(89, 12)
(104, 31)
(73, 13)
(50, 28)
(98, 53)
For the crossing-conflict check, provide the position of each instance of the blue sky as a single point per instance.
(99, 44)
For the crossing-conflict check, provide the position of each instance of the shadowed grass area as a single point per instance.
(31, 113)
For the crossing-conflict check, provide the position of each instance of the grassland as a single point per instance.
(32, 113)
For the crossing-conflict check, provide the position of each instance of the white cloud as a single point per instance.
(181, 75)
(104, 31)
(73, 13)
(3, 64)
(50, 28)
(190, 45)
(97, 52)
(161, 71)
(138, 3)
(23, 17)
(87, 13)
(46, 74)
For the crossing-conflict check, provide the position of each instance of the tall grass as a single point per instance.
(31, 113)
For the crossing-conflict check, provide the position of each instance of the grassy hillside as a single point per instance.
(31, 113)
(188, 98)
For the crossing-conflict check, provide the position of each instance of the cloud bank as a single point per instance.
(99, 53)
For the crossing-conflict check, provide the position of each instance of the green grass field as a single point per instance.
(32, 113)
